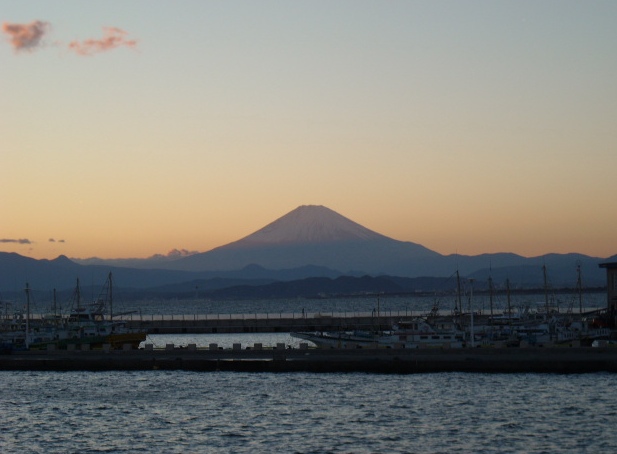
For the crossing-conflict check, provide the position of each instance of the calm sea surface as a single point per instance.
(220, 412)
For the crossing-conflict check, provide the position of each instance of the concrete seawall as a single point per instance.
(399, 361)
(272, 324)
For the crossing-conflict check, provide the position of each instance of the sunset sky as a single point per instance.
(131, 128)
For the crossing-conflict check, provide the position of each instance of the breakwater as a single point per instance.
(304, 359)
(272, 323)
(280, 323)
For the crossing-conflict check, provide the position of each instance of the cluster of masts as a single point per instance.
(96, 309)
(458, 308)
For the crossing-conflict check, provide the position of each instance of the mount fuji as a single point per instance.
(314, 241)
(318, 236)
(310, 224)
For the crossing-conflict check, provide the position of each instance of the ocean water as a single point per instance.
(226, 412)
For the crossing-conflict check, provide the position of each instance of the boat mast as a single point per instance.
(55, 307)
(27, 340)
(545, 289)
(458, 292)
(490, 294)
(78, 296)
(508, 298)
(579, 286)
(111, 306)
(473, 340)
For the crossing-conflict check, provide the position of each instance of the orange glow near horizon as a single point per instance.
(462, 132)
(472, 239)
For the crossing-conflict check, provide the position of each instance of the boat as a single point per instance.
(562, 330)
(412, 333)
(418, 333)
(340, 339)
(90, 325)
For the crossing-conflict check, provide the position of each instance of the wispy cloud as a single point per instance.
(25, 36)
(28, 37)
(53, 240)
(113, 37)
(18, 241)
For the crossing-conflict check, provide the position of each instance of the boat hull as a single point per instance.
(344, 340)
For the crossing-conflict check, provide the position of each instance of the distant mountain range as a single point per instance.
(308, 242)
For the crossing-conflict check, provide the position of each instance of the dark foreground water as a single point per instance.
(187, 412)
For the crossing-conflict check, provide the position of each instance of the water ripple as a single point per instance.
(184, 412)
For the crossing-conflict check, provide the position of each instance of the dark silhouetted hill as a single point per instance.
(308, 242)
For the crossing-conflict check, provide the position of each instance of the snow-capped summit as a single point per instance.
(310, 224)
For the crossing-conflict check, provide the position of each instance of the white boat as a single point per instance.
(414, 333)
(340, 339)
(559, 330)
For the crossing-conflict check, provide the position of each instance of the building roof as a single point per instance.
(609, 265)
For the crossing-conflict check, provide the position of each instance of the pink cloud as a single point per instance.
(112, 37)
(25, 36)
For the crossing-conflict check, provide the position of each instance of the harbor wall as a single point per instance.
(391, 361)
(239, 323)
(270, 324)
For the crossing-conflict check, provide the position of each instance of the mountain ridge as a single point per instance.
(311, 234)
(309, 241)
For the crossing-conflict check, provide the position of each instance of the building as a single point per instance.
(611, 286)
